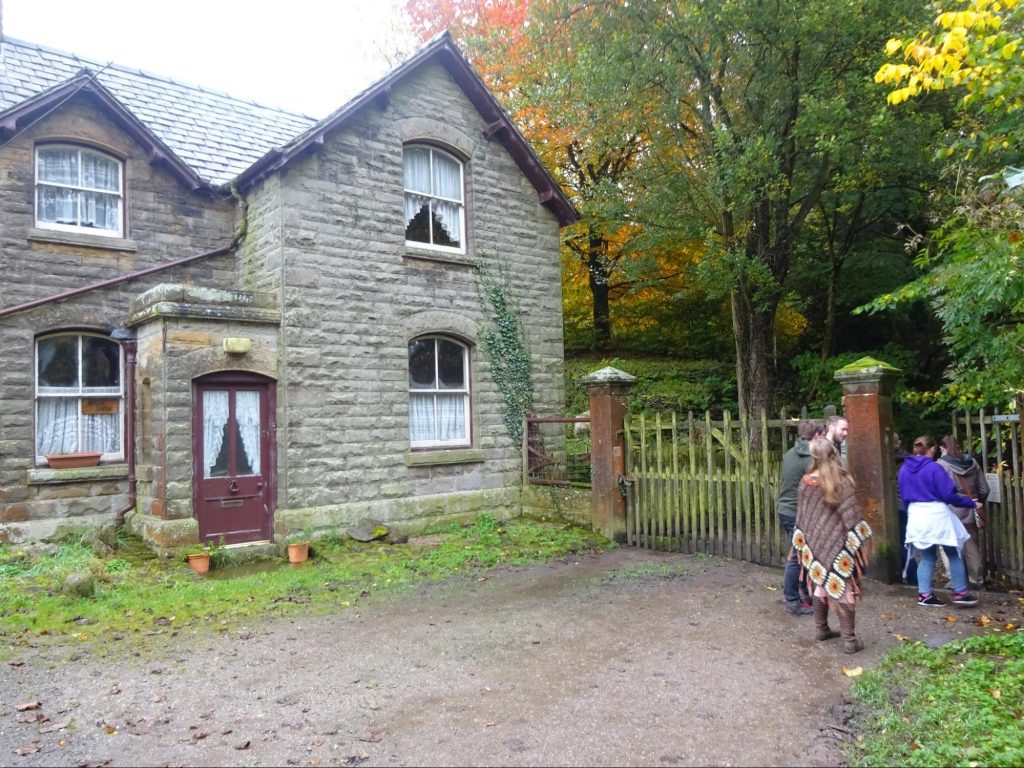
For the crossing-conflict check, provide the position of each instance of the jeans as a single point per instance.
(793, 590)
(957, 571)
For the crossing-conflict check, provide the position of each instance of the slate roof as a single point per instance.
(217, 135)
(215, 139)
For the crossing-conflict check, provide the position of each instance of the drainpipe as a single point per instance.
(126, 336)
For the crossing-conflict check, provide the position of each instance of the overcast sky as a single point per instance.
(306, 56)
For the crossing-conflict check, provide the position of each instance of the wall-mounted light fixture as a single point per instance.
(236, 345)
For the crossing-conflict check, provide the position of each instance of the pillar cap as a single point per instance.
(866, 369)
(608, 375)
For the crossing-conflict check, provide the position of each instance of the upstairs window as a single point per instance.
(79, 402)
(434, 209)
(438, 393)
(78, 190)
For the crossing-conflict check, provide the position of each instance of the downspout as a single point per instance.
(127, 338)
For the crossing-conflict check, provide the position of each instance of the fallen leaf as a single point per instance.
(371, 737)
(983, 621)
(853, 671)
(28, 705)
(30, 749)
(55, 726)
(129, 613)
(886, 617)
(901, 638)
(243, 745)
(770, 588)
(1009, 627)
(35, 717)
(16, 663)
(951, 618)
(110, 730)
(995, 693)
(489, 724)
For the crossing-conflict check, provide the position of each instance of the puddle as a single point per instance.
(134, 550)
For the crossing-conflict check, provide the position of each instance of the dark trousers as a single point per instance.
(793, 589)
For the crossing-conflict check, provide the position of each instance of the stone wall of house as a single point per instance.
(164, 222)
(354, 294)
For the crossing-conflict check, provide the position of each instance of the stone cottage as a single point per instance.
(251, 321)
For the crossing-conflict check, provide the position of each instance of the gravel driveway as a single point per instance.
(622, 658)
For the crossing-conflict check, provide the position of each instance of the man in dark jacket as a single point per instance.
(795, 463)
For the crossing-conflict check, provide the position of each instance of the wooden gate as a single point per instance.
(704, 485)
(994, 440)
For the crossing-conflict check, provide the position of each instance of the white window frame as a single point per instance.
(462, 441)
(432, 197)
(79, 392)
(80, 188)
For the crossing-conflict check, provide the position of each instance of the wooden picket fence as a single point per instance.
(706, 485)
(994, 440)
(703, 485)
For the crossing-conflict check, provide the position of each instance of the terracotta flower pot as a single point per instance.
(199, 562)
(73, 460)
(298, 552)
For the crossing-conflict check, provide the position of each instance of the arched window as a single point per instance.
(438, 393)
(79, 398)
(78, 189)
(434, 207)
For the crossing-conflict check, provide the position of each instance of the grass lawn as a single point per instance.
(143, 595)
(961, 704)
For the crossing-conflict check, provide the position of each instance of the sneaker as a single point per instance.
(931, 601)
(799, 608)
(965, 599)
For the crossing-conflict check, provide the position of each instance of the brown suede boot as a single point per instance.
(847, 621)
(820, 606)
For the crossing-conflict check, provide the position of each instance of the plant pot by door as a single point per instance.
(73, 460)
(200, 562)
(298, 552)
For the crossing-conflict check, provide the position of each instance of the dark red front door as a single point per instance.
(233, 439)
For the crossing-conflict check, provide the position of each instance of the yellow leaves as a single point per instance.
(1008, 50)
(996, 693)
(853, 671)
(983, 621)
(893, 45)
(901, 638)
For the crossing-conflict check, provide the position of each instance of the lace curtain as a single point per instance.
(431, 175)
(437, 418)
(57, 423)
(74, 168)
(247, 413)
(215, 419)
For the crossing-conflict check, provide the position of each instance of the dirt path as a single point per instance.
(625, 658)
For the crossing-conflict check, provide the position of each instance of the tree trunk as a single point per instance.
(754, 331)
(599, 293)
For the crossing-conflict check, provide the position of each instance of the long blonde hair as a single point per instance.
(832, 475)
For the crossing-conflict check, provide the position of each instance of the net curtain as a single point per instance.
(434, 175)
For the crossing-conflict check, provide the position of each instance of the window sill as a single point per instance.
(81, 239)
(460, 259)
(453, 456)
(47, 476)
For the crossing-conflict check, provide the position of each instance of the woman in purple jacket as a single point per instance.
(929, 494)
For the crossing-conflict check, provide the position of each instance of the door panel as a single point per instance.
(233, 491)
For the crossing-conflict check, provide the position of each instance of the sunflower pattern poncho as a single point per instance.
(829, 541)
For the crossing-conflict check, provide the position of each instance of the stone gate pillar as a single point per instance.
(867, 406)
(607, 389)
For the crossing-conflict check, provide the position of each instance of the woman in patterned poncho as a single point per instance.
(829, 537)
